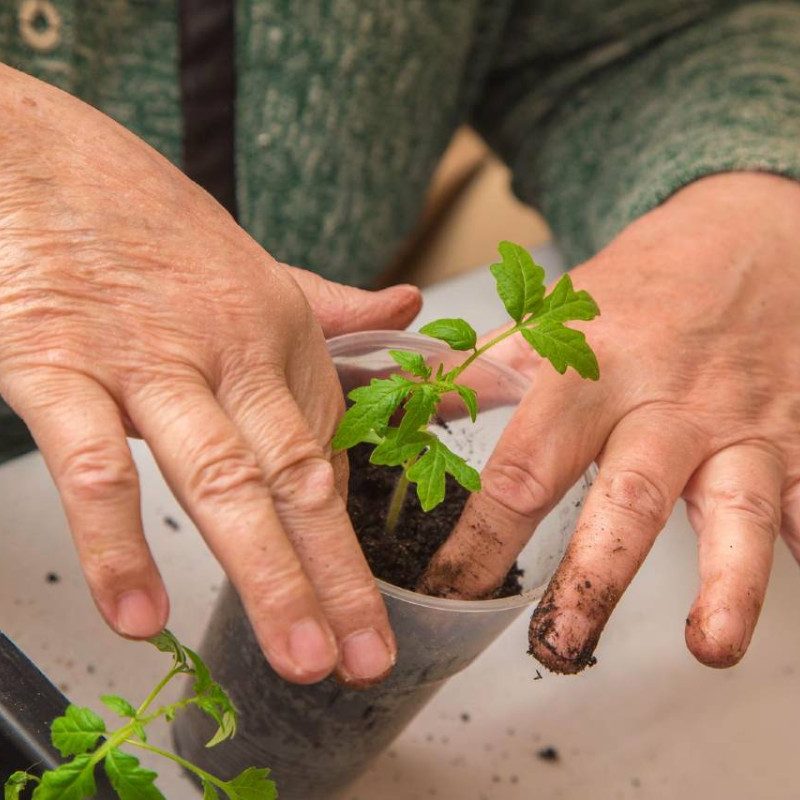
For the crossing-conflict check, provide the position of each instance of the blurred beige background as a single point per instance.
(469, 209)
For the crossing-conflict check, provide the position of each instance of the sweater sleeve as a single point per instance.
(636, 105)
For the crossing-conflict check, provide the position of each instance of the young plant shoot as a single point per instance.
(82, 734)
(424, 458)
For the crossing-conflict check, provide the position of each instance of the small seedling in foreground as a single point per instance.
(82, 734)
(424, 458)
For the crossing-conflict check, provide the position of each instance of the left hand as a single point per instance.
(699, 397)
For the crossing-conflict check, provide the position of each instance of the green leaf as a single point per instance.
(458, 333)
(119, 705)
(202, 675)
(418, 410)
(71, 781)
(429, 474)
(252, 784)
(411, 362)
(16, 782)
(77, 731)
(167, 642)
(466, 475)
(130, 780)
(139, 731)
(470, 399)
(209, 792)
(563, 347)
(212, 699)
(519, 279)
(393, 451)
(564, 303)
(372, 408)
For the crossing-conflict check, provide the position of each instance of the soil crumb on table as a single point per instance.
(401, 558)
(549, 754)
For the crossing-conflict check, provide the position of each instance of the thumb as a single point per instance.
(344, 309)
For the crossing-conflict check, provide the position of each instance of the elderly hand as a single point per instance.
(699, 396)
(131, 302)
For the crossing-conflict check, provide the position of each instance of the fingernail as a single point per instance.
(365, 655)
(137, 617)
(311, 648)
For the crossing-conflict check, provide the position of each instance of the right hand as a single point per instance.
(132, 303)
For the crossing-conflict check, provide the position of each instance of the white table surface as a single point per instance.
(646, 722)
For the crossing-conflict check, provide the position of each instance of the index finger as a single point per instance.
(557, 431)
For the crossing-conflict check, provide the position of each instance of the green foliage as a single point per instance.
(16, 782)
(77, 731)
(460, 335)
(81, 733)
(519, 279)
(119, 705)
(130, 780)
(539, 317)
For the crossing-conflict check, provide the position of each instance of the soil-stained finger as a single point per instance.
(643, 469)
(557, 431)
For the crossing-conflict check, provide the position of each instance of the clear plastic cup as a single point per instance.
(318, 739)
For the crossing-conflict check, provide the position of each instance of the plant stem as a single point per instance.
(201, 773)
(479, 351)
(152, 696)
(398, 497)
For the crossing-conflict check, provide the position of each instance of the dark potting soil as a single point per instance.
(401, 558)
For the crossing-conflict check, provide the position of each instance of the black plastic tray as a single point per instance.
(28, 704)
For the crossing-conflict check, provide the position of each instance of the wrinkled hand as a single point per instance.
(130, 302)
(699, 396)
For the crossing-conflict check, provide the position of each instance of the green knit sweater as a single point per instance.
(602, 108)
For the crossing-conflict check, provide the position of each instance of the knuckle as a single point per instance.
(106, 564)
(751, 505)
(633, 492)
(308, 484)
(275, 586)
(512, 485)
(96, 471)
(223, 474)
(353, 595)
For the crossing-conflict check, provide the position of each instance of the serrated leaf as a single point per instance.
(252, 784)
(458, 333)
(167, 642)
(71, 781)
(519, 279)
(411, 362)
(563, 347)
(466, 475)
(428, 473)
(470, 399)
(202, 675)
(119, 705)
(393, 451)
(372, 408)
(209, 792)
(212, 699)
(16, 783)
(130, 780)
(564, 303)
(77, 731)
(418, 410)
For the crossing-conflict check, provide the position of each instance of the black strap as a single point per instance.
(208, 96)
